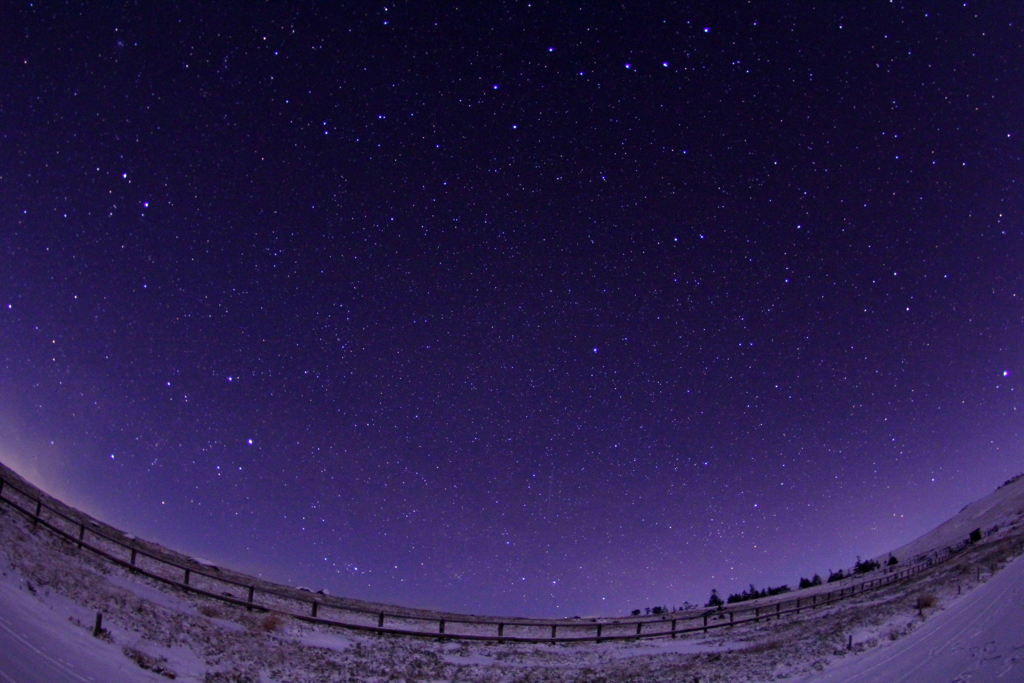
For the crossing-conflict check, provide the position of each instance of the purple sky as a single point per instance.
(516, 310)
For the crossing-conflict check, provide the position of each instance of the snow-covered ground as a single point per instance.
(978, 639)
(50, 592)
(42, 641)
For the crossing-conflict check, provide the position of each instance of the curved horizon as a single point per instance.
(529, 309)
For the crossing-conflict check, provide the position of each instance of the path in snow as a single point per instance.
(979, 639)
(39, 645)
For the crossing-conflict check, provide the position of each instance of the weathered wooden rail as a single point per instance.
(201, 579)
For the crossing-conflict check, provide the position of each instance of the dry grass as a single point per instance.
(924, 601)
(764, 646)
(209, 611)
(271, 622)
(157, 665)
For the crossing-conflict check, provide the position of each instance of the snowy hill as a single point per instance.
(1004, 507)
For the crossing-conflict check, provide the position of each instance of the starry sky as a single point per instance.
(514, 308)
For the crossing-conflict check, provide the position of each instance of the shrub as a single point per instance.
(714, 600)
(635, 613)
(924, 601)
(892, 560)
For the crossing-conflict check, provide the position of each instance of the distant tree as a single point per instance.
(647, 610)
(714, 600)
(656, 610)
(866, 566)
(892, 560)
(838, 576)
(635, 613)
(809, 583)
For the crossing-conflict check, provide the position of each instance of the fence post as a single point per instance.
(252, 589)
(440, 627)
(674, 625)
(599, 632)
(639, 625)
(705, 622)
(316, 608)
(1, 487)
(98, 626)
(81, 535)
(553, 627)
(133, 557)
(380, 620)
(187, 573)
(501, 631)
(39, 507)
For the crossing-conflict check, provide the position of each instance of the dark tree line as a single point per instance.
(861, 567)
(810, 583)
(753, 594)
(866, 566)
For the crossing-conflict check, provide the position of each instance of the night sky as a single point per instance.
(514, 309)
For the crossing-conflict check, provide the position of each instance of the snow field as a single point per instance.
(159, 631)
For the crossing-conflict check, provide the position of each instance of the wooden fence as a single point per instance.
(205, 580)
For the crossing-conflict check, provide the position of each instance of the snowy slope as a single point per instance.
(979, 639)
(1003, 507)
(41, 643)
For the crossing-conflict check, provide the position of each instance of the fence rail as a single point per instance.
(200, 579)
